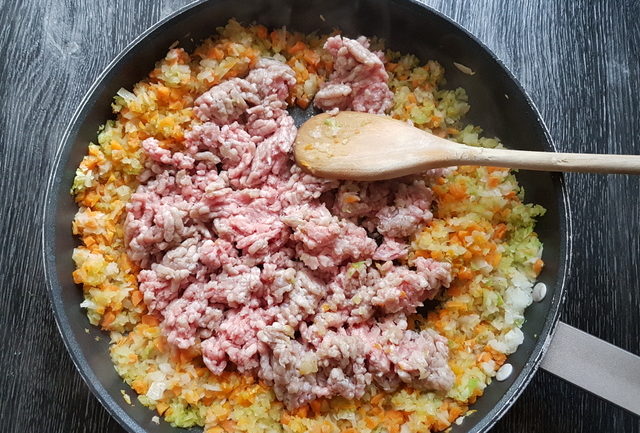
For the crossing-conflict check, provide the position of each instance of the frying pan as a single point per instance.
(498, 104)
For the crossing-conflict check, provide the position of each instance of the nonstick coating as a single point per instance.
(498, 104)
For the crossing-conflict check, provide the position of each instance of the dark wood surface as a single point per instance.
(579, 61)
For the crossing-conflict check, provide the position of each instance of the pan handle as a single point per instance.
(595, 365)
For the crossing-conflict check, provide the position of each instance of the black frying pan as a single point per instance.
(498, 104)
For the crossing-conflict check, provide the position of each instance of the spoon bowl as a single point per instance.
(351, 145)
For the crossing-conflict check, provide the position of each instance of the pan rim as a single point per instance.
(50, 206)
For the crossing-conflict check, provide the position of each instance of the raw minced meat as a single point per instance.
(284, 275)
(358, 81)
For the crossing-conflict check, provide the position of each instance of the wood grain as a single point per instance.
(578, 61)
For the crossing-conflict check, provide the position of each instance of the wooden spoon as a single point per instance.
(362, 146)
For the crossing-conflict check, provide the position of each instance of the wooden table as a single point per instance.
(579, 61)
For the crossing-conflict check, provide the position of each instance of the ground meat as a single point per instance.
(325, 241)
(391, 249)
(403, 289)
(190, 316)
(227, 101)
(345, 361)
(272, 155)
(358, 81)
(397, 354)
(409, 211)
(236, 340)
(275, 271)
(301, 373)
(166, 278)
(272, 77)
(362, 199)
(158, 154)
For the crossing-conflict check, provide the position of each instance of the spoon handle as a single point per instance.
(550, 161)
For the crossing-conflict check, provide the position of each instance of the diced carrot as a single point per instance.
(454, 413)
(456, 240)
(139, 386)
(277, 41)
(285, 419)
(191, 397)
(411, 98)
(423, 253)
(217, 53)
(176, 105)
(90, 199)
(370, 422)
(537, 266)
(109, 287)
(465, 273)
(298, 46)
(454, 290)
(474, 227)
(89, 241)
(78, 276)
(394, 418)
(437, 255)
(162, 408)
(494, 259)
(498, 357)
(377, 398)
(316, 406)
(261, 31)
(187, 355)
(493, 181)
(302, 411)
(163, 93)
(500, 231)
(458, 191)
(107, 319)
(228, 425)
(484, 357)
(149, 320)
(90, 163)
(444, 406)
(311, 57)
(136, 297)
(376, 410)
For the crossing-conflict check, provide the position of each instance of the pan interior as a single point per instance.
(498, 104)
